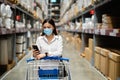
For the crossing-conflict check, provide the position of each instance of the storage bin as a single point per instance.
(114, 66)
(97, 57)
(104, 61)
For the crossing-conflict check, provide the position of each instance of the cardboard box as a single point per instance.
(88, 54)
(104, 61)
(114, 66)
(90, 43)
(97, 57)
(78, 43)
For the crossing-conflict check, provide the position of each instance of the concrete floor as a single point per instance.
(80, 69)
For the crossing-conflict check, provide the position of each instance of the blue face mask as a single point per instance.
(48, 31)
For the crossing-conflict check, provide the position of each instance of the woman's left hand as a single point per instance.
(40, 56)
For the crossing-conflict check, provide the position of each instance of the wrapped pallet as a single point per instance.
(114, 66)
(19, 44)
(10, 50)
(3, 52)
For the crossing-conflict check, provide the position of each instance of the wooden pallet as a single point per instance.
(11, 65)
(7, 67)
(20, 56)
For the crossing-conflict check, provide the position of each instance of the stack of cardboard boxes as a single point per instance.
(107, 62)
(114, 66)
(104, 61)
(97, 58)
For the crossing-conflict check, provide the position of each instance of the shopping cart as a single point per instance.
(48, 68)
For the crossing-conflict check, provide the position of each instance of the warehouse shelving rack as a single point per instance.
(14, 32)
(104, 38)
(52, 11)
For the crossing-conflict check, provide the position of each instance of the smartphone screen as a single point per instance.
(35, 47)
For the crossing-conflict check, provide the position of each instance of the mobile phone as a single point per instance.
(35, 47)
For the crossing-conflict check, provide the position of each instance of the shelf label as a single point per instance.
(112, 34)
(116, 30)
(97, 31)
(90, 31)
(102, 31)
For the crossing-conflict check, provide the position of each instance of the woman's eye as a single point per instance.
(46, 27)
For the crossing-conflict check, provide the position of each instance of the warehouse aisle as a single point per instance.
(79, 67)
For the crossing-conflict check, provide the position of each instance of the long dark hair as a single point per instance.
(50, 21)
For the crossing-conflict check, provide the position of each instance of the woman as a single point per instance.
(49, 43)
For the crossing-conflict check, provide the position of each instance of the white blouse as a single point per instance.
(54, 48)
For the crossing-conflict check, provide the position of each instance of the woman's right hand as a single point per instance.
(35, 53)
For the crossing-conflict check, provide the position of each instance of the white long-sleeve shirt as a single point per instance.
(54, 48)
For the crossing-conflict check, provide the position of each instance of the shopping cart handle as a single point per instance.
(30, 59)
(55, 58)
(49, 58)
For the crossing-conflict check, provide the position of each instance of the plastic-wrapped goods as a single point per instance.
(65, 5)
(34, 38)
(72, 26)
(8, 11)
(88, 23)
(39, 12)
(3, 52)
(93, 18)
(19, 39)
(2, 14)
(7, 23)
(87, 3)
(80, 4)
(27, 4)
(77, 25)
(19, 24)
(2, 10)
(19, 48)
(19, 44)
(1, 22)
(24, 47)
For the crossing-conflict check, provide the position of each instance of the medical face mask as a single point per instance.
(48, 31)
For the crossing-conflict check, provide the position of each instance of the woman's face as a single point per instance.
(48, 25)
(48, 29)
